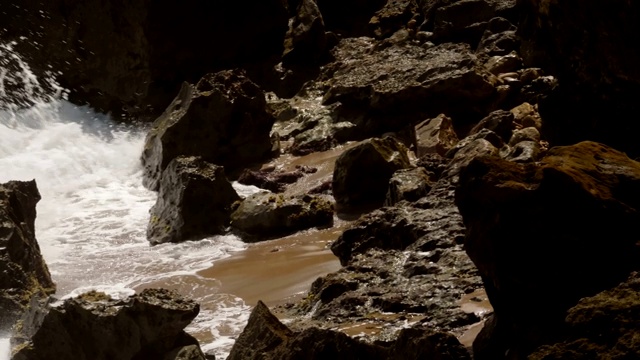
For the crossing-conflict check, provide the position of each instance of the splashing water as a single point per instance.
(93, 214)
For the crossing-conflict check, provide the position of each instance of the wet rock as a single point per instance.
(362, 173)
(394, 15)
(476, 148)
(435, 136)
(427, 344)
(408, 184)
(274, 180)
(194, 201)
(140, 69)
(264, 214)
(504, 64)
(24, 276)
(306, 42)
(148, 325)
(387, 89)
(584, 46)
(223, 119)
(500, 122)
(604, 326)
(579, 205)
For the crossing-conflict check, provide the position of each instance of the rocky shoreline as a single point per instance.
(484, 161)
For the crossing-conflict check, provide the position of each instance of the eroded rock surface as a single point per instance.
(194, 201)
(223, 119)
(92, 326)
(24, 276)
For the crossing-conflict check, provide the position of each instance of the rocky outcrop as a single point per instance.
(604, 326)
(264, 215)
(274, 180)
(95, 326)
(378, 159)
(562, 226)
(266, 338)
(223, 119)
(140, 69)
(24, 275)
(194, 201)
(435, 136)
(597, 68)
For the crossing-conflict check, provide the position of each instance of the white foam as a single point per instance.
(245, 191)
(5, 349)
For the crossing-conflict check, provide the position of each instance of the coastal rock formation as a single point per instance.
(604, 326)
(563, 226)
(194, 201)
(140, 69)
(223, 119)
(584, 44)
(265, 215)
(24, 276)
(376, 160)
(95, 326)
(266, 338)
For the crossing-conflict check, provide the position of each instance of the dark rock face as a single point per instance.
(23, 273)
(563, 226)
(405, 80)
(351, 17)
(223, 119)
(394, 15)
(266, 338)
(94, 326)
(264, 214)
(306, 42)
(274, 180)
(145, 61)
(597, 69)
(378, 159)
(604, 326)
(408, 184)
(194, 201)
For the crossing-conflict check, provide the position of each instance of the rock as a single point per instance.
(362, 173)
(604, 326)
(427, 344)
(305, 43)
(387, 89)
(394, 15)
(194, 201)
(578, 205)
(349, 18)
(408, 184)
(24, 276)
(499, 38)
(435, 136)
(264, 214)
(524, 151)
(526, 134)
(476, 148)
(274, 180)
(500, 122)
(584, 46)
(526, 115)
(222, 119)
(148, 325)
(504, 64)
(140, 69)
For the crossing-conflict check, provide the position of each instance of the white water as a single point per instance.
(93, 215)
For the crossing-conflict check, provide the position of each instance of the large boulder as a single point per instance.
(95, 326)
(23, 273)
(586, 45)
(265, 215)
(194, 202)
(223, 119)
(435, 136)
(564, 226)
(361, 174)
(141, 66)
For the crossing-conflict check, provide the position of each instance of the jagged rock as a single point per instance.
(274, 180)
(526, 134)
(500, 122)
(140, 69)
(499, 38)
(473, 149)
(362, 173)
(408, 184)
(391, 87)
(435, 136)
(23, 273)
(95, 326)
(306, 42)
(194, 201)
(394, 15)
(526, 115)
(578, 205)
(604, 326)
(583, 44)
(222, 119)
(265, 214)
(524, 151)
(504, 64)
